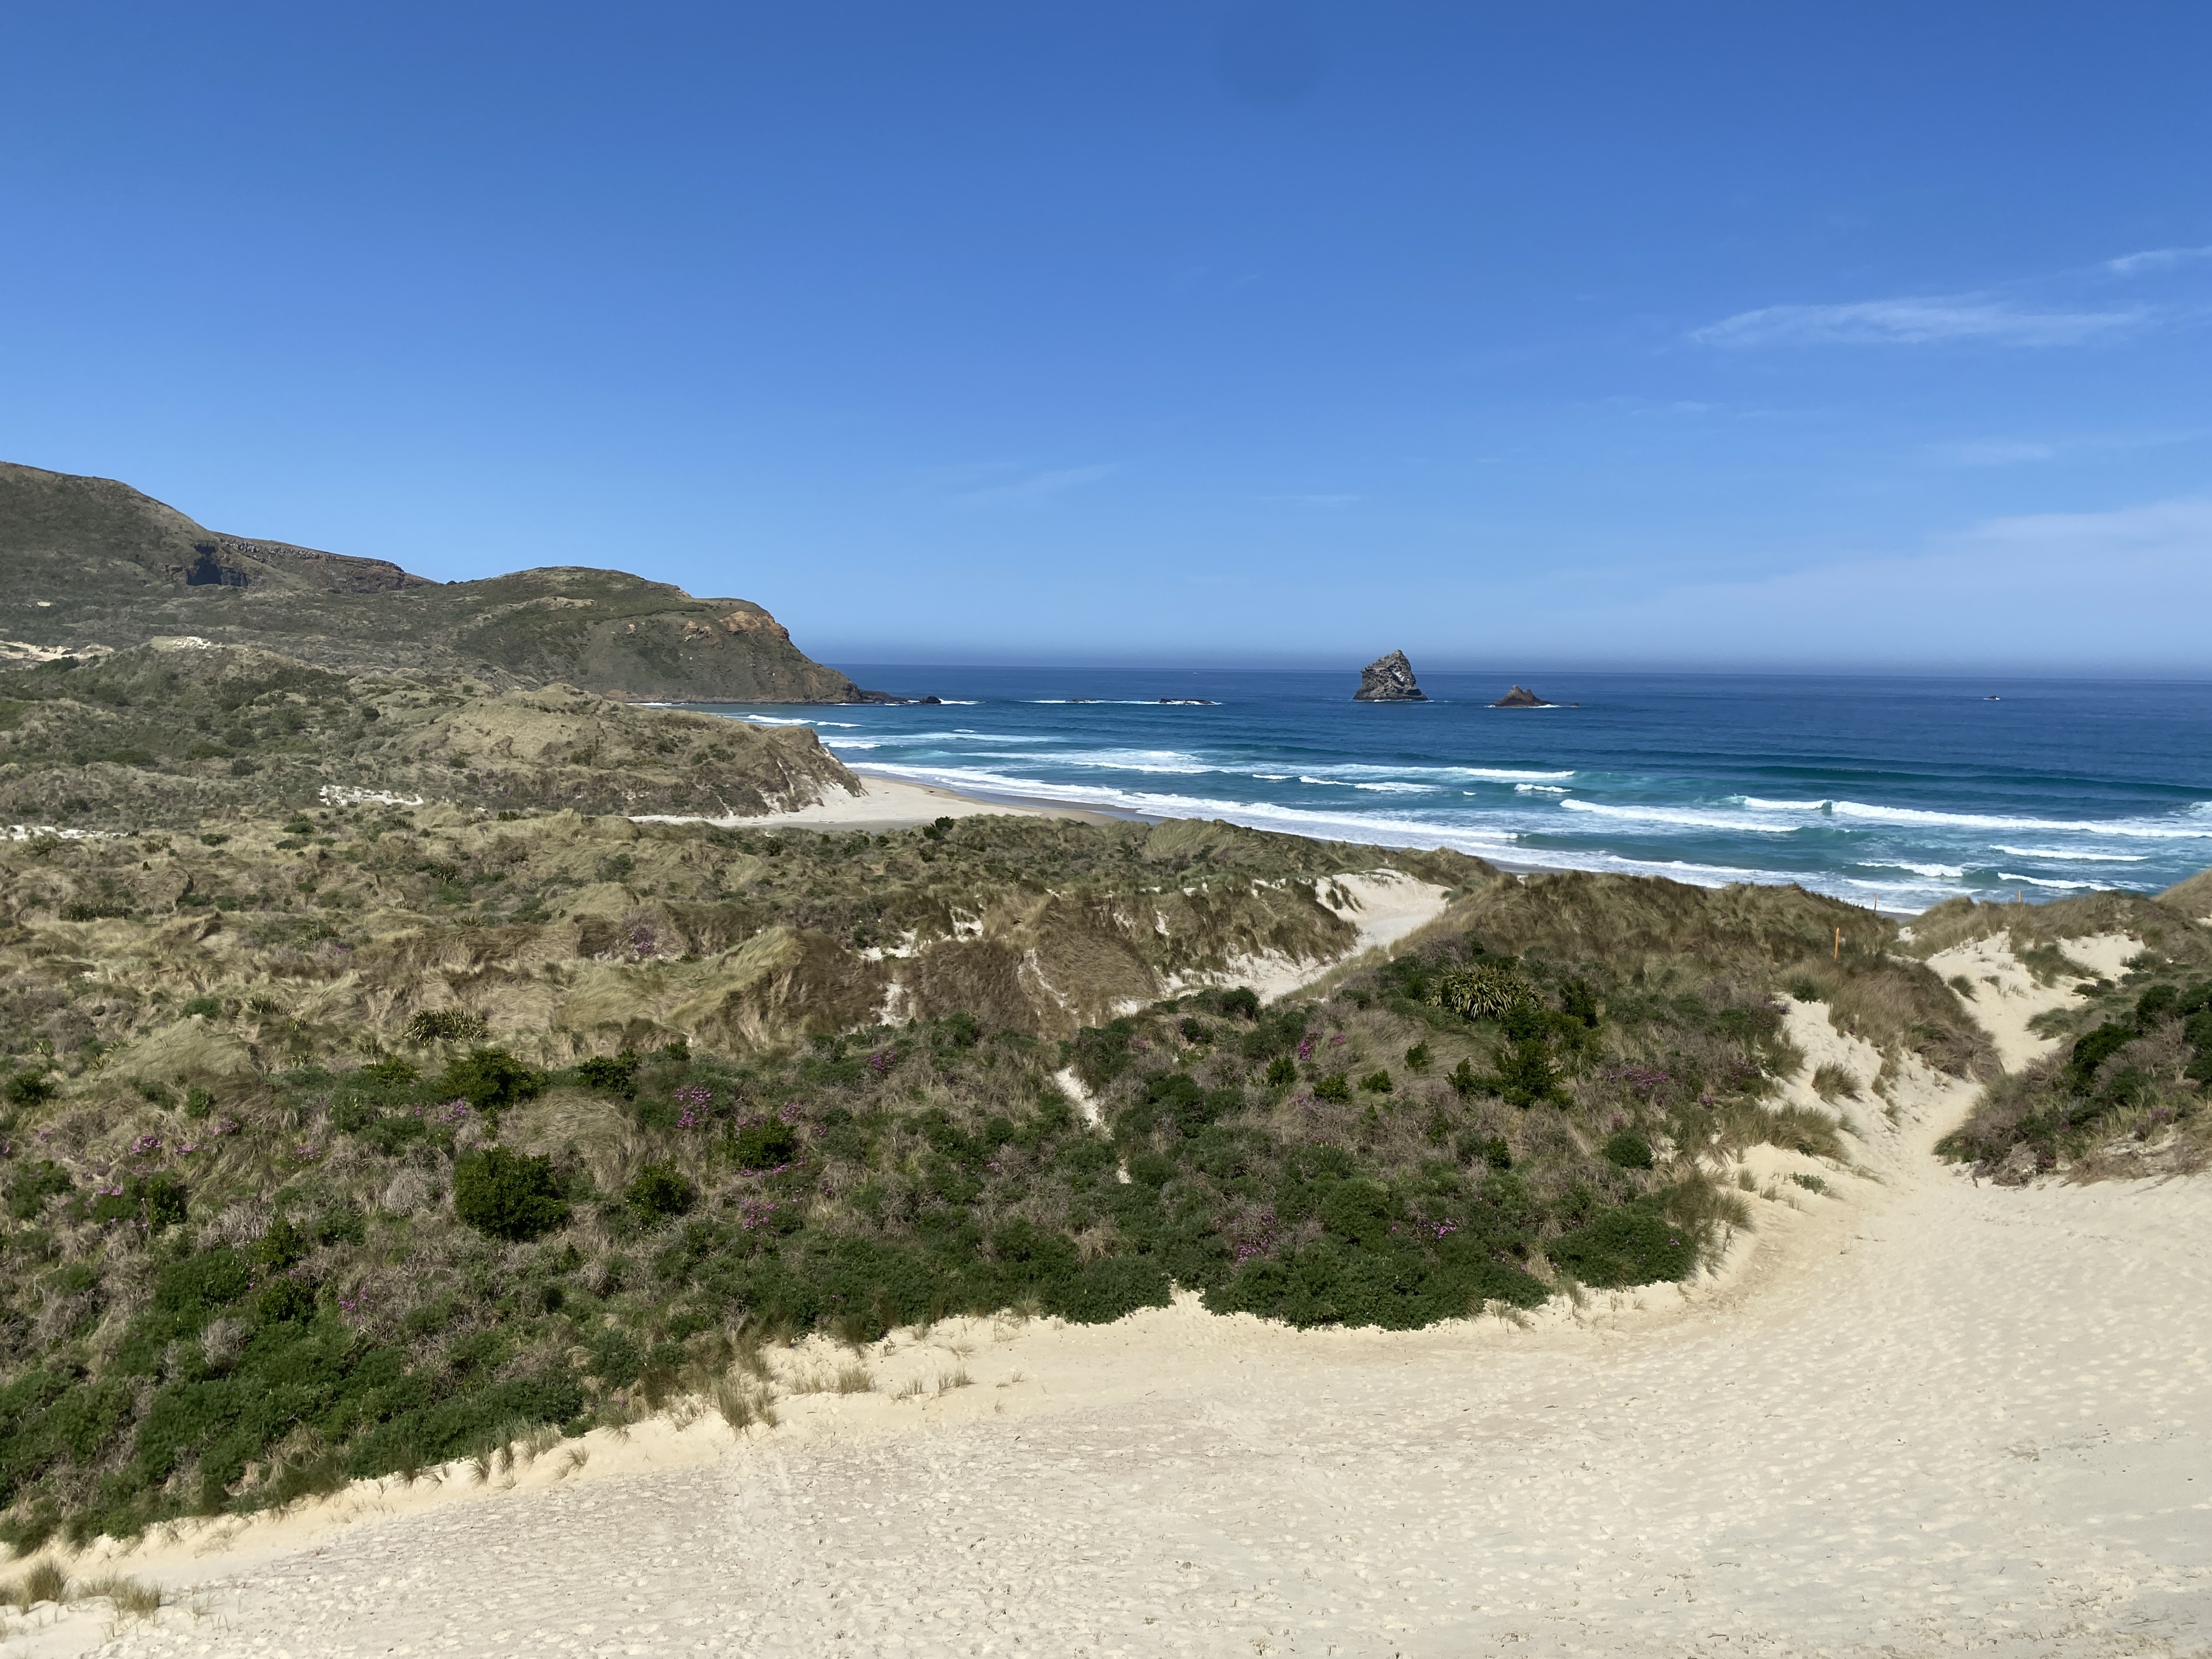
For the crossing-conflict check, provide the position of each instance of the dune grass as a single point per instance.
(547, 1124)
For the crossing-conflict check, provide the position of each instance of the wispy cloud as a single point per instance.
(1992, 452)
(2007, 589)
(2156, 259)
(1039, 486)
(1321, 500)
(2014, 451)
(1918, 321)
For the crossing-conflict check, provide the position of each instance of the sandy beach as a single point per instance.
(1907, 1414)
(891, 804)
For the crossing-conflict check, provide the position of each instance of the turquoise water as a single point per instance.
(1895, 792)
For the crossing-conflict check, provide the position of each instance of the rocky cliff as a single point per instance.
(1389, 679)
(93, 562)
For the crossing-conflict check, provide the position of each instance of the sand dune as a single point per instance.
(1914, 1416)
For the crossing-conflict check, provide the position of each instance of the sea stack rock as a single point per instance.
(1522, 697)
(1389, 679)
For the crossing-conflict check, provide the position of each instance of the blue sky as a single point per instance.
(1636, 334)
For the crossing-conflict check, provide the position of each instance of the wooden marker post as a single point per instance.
(1840, 944)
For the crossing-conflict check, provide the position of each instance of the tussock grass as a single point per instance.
(743, 1402)
(1835, 1083)
(129, 1596)
(44, 1581)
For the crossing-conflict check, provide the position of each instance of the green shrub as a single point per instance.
(1578, 1002)
(29, 1088)
(660, 1194)
(1376, 1083)
(1418, 1058)
(769, 1145)
(2094, 1050)
(202, 1008)
(1635, 1244)
(85, 910)
(1282, 1071)
(154, 1201)
(1240, 1003)
(616, 1074)
(198, 1104)
(447, 1025)
(508, 1195)
(284, 1299)
(34, 1185)
(1628, 1149)
(490, 1080)
(1336, 1087)
(1525, 1076)
(280, 1247)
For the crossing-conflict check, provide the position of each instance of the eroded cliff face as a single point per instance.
(96, 563)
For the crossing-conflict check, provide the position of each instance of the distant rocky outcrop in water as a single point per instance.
(1522, 697)
(1389, 679)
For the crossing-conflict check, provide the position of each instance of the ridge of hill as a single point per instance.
(94, 561)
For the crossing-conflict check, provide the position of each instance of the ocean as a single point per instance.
(1894, 791)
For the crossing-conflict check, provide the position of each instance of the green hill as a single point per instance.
(161, 734)
(91, 562)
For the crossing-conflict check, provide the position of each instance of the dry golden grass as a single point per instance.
(127, 1596)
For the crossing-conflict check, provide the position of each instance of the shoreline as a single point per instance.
(889, 804)
(900, 803)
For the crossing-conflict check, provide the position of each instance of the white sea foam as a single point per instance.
(773, 719)
(2131, 829)
(2037, 881)
(1758, 806)
(1134, 760)
(2072, 855)
(1688, 820)
(1402, 788)
(1535, 789)
(969, 737)
(1916, 869)
(1498, 774)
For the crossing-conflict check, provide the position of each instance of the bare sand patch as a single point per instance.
(2006, 996)
(1383, 905)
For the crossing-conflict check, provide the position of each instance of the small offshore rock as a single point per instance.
(1522, 697)
(1389, 679)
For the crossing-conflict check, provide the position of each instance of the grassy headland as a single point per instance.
(94, 562)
